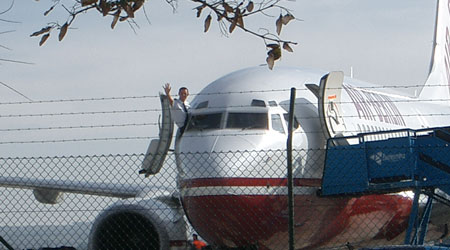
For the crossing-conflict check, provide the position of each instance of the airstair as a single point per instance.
(393, 161)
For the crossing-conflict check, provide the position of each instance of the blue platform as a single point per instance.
(406, 160)
(388, 162)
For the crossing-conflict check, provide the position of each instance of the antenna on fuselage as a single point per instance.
(351, 71)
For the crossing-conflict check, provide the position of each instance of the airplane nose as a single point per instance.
(218, 172)
(217, 142)
(228, 156)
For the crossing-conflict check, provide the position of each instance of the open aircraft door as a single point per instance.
(330, 112)
(158, 148)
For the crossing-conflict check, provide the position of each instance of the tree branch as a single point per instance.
(230, 15)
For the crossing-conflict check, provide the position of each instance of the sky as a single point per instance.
(383, 41)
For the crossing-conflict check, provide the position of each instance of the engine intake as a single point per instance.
(147, 224)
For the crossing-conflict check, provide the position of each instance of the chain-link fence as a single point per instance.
(230, 199)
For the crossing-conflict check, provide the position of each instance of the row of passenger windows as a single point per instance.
(237, 120)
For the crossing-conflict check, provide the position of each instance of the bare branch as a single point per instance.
(5, 11)
(15, 61)
(146, 16)
(7, 48)
(16, 91)
(8, 21)
(8, 31)
(8, 9)
(173, 4)
(4, 47)
(133, 25)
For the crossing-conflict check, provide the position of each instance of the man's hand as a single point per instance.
(167, 89)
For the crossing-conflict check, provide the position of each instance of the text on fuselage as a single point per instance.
(374, 107)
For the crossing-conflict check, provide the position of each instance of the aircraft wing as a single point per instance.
(50, 191)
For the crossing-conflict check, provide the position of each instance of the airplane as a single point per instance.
(231, 177)
(233, 181)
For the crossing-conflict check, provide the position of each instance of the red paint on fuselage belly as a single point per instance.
(239, 220)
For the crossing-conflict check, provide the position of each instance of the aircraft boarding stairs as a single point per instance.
(388, 162)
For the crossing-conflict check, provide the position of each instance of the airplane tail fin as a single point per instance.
(437, 86)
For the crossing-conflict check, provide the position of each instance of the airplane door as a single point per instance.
(330, 116)
(158, 148)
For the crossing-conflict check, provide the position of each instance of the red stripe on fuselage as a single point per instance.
(245, 182)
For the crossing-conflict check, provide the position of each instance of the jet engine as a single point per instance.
(48, 196)
(146, 224)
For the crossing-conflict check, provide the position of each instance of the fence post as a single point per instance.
(3, 241)
(289, 170)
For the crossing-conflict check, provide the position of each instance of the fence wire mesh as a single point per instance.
(230, 199)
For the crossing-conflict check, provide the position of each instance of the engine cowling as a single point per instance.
(146, 224)
(48, 196)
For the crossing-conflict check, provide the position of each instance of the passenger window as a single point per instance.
(247, 120)
(205, 121)
(277, 123)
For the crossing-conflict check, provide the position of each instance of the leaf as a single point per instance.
(273, 54)
(87, 2)
(128, 10)
(42, 31)
(287, 47)
(275, 51)
(250, 6)
(137, 5)
(49, 10)
(207, 22)
(43, 39)
(199, 10)
(63, 31)
(287, 18)
(240, 21)
(227, 7)
(116, 18)
(239, 18)
(270, 61)
(233, 25)
(279, 24)
(105, 7)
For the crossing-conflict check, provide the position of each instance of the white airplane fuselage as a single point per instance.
(233, 166)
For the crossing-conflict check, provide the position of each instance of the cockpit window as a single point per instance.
(258, 103)
(247, 120)
(204, 121)
(202, 105)
(277, 123)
